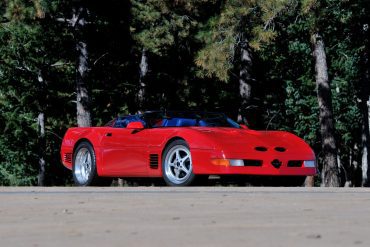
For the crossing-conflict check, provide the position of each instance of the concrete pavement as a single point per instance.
(194, 216)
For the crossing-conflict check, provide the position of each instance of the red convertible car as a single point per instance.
(179, 146)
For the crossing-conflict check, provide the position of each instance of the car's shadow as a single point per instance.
(223, 181)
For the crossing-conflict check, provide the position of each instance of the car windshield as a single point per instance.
(187, 119)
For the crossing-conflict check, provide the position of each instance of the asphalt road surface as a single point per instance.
(196, 216)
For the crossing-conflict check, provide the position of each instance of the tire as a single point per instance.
(84, 167)
(177, 168)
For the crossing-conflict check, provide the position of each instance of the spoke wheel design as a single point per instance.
(83, 165)
(177, 164)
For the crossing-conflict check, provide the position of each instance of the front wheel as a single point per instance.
(177, 168)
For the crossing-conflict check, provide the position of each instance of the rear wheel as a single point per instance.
(177, 168)
(84, 167)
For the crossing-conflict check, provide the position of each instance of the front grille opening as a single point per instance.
(280, 149)
(153, 161)
(68, 157)
(295, 163)
(252, 162)
(261, 149)
(276, 163)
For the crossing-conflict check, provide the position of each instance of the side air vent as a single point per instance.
(261, 149)
(153, 161)
(295, 163)
(280, 149)
(252, 162)
(68, 157)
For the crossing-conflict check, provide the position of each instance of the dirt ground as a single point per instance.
(196, 216)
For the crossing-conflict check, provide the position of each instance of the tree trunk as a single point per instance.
(365, 142)
(142, 85)
(83, 99)
(42, 148)
(330, 170)
(41, 129)
(310, 181)
(245, 78)
(365, 112)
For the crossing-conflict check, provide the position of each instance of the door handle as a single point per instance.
(108, 134)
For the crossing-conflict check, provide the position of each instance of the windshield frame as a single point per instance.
(156, 119)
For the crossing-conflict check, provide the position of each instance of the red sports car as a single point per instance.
(179, 146)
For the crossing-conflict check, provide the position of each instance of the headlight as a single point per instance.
(309, 163)
(236, 162)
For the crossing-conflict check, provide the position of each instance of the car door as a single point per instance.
(125, 152)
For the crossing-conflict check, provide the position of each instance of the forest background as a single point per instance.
(295, 65)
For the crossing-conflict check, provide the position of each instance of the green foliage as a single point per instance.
(18, 40)
(25, 60)
(161, 25)
(239, 23)
(301, 111)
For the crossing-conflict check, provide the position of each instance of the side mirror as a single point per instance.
(243, 126)
(135, 125)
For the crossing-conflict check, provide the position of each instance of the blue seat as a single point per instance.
(170, 122)
(122, 122)
(178, 122)
(185, 122)
(203, 123)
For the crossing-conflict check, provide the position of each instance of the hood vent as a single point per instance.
(153, 161)
(280, 149)
(261, 149)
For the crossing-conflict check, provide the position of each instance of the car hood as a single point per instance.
(246, 139)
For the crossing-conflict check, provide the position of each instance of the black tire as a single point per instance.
(85, 173)
(177, 171)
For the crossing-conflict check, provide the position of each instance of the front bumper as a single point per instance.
(202, 164)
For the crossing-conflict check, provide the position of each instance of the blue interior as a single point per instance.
(122, 122)
(179, 122)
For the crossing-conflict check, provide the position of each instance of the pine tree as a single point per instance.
(164, 32)
(23, 91)
(230, 37)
